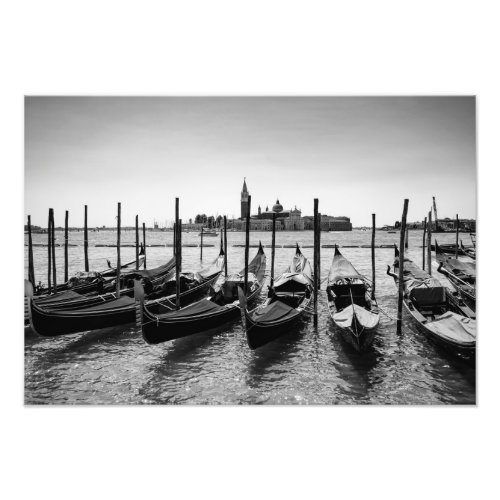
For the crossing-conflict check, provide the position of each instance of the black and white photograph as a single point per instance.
(250, 250)
(241, 244)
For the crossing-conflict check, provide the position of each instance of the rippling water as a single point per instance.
(310, 365)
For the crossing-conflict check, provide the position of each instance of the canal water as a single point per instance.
(310, 365)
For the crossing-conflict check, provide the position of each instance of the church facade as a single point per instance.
(287, 220)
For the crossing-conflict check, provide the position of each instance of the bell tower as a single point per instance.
(244, 199)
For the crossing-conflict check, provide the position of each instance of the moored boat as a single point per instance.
(210, 314)
(350, 305)
(462, 275)
(442, 316)
(106, 311)
(288, 301)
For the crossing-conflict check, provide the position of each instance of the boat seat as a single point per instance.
(429, 297)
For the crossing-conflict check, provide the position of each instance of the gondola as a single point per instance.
(286, 304)
(112, 311)
(154, 280)
(159, 324)
(87, 282)
(351, 307)
(469, 251)
(462, 276)
(442, 316)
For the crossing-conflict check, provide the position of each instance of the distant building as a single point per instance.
(329, 223)
(244, 199)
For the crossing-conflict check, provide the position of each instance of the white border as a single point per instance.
(224, 48)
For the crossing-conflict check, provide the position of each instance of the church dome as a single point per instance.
(278, 207)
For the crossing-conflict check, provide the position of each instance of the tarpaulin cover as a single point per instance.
(273, 312)
(299, 271)
(458, 267)
(428, 296)
(66, 295)
(342, 269)
(454, 327)
(367, 319)
(152, 273)
(198, 308)
(111, 304)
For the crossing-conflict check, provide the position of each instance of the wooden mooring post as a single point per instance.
(201, 244)
(66, 243)
(316, 258)
(456, 241)
(225, 246)
(31, 267)
(273, 249)
(144, 241)
(373, 256)
(423, 244)
(401, 286)
(53, 237)
(137, 242)
(247, 243)
(429, 242)
(118, 259)
(49, 255)
(86, 242)
(177, 256)
(406, 238)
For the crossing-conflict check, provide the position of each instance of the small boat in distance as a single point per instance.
(350, 304)
(208, 232)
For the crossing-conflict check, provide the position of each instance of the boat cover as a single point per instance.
(110, 304)
(367, 319)
(196, 309)
(459, 267)
(273, 312)
(152, 273)
(342, 269)
(452, 326)
(66, 295)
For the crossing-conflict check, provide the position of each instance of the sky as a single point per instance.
(357, 155)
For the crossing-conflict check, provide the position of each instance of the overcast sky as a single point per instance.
(358, 155)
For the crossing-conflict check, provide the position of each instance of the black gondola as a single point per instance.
(92, 281)
(442, 316)
(469, 251)
(462, 276)
(351, 307)
(159, 324)
(49, 321)
(288, 300)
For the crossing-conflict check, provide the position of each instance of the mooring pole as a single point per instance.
(456, 244)
(247, 243)
(137, 242)
(429, 243)
(373, 256)
(273, 246)
(66, 246)
(144, 241)
(316, 258)
(177, 255)
(118, 260)
(401, 286)
(201, 244)
(406, 239)
(319, 251)
(225, 246)
(31, 267)
(423, 244)
(49, 247)
(53, 236)
(86, 242)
